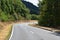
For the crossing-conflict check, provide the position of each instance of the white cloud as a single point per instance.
(35, 2)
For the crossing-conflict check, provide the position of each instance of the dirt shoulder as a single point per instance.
(4, 30)
(45, 28)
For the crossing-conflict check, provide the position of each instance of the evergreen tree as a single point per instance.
(57, 12)
(49, 13)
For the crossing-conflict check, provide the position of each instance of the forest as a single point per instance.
(49, 14)
(11, 10)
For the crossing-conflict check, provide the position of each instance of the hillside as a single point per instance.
(11, 10)
(33, 9)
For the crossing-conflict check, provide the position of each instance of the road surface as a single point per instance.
(25, 32)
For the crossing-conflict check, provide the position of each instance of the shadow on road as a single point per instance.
(56, 33)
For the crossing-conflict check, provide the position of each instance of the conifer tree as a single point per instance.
(49, 13)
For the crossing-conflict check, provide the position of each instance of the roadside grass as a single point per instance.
(5, 30)
(9, 34)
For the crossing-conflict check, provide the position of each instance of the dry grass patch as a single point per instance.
(5, 30)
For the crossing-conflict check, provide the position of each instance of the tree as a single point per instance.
(49, 13)
(57, 12)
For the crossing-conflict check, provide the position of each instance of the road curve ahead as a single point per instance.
(25, 32)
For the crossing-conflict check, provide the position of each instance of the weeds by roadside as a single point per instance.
(9, 34)
(5, 29)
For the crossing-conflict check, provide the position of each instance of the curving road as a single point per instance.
(25, 32)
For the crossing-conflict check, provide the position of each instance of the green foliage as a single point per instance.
(28, 17)
(34, 17)
(13, 10)
(49, 14)
(3, 17)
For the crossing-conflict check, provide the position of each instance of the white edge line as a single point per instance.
(11, 33)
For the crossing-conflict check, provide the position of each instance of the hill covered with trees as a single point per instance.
(33, 9)
(13, 10)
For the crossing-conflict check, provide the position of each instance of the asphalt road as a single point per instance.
(25, 32)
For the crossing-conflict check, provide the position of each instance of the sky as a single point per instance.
(35, 2)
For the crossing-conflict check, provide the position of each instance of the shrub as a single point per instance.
(3, 16)
(34, 17)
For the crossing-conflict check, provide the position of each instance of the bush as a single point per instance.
(34, 17)
(3, 16)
